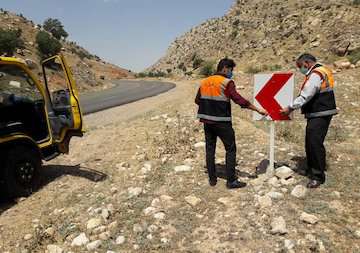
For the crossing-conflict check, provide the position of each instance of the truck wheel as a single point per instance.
(21, 174)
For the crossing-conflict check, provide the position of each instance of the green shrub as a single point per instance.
(356, 2)
(157, 73)
(10, 40)
(207, 69)
(197, 62)
(234, 34)
(182, 67)
(55, 27)
(354, 56)
(141, 75)
(47, 45)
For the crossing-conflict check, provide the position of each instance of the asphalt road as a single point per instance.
(124, 92)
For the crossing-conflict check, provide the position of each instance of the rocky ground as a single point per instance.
(136, 183)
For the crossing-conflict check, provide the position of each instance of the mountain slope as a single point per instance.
(269, 33)
(91, 72)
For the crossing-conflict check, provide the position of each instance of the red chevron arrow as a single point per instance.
(266, 96)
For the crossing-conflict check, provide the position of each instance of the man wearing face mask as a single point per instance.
(317, 103)
(213, 99)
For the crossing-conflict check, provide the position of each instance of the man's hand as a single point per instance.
(286, 111)
(262, 112)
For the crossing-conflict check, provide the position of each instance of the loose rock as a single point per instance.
(299, 191)
(134, 191)
(120, 240)
(94, 245)
(182, 168)
(80, 240)
(192, 200)
(264, 201)
(54, 249)
(278, 226)
(93, 223)
(309, 218)
(284, 172)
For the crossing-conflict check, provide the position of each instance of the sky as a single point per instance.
(133, 34)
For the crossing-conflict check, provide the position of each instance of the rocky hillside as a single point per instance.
(91, 72)
(268, 35)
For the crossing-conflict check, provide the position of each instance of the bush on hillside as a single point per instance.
(253, 69)
(197, 62)
(10, 40)
(207, 69)
(47, 45)
(354, 56)
(55, 27)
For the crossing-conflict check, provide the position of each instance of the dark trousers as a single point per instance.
(226, 134)
(316, 131)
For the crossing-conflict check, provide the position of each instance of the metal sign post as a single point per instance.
(273, 92)
(272, 148)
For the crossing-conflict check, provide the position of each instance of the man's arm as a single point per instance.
(311, 87)
(238, 99)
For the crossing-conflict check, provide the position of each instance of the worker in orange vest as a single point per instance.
(317, 103)
(213, 99)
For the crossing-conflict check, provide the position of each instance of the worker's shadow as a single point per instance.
(300, 164)
(221, 172)
(50, 173)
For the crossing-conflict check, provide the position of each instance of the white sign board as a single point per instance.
(273, 92)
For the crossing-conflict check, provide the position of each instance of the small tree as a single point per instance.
(55, 27)
(47, 45)
(10, 40)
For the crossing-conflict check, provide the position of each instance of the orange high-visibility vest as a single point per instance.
(323, 103)
(214, 104)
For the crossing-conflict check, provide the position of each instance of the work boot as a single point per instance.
(212, 181)
(313, 184)
(235, 184)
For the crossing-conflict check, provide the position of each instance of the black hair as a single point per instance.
(306, 57)
(229, 63)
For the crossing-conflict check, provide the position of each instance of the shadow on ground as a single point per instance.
(50, 173)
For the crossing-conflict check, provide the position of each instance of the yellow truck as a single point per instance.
(37, 120)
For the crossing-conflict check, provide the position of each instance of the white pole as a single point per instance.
(272, 148)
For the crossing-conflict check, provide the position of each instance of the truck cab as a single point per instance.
(37, 120)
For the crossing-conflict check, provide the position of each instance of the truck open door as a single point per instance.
(64, 108)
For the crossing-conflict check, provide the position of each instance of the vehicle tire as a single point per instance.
(21, 171)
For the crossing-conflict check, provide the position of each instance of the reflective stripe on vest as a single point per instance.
(321, 114)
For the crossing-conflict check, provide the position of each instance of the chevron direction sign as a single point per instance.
(273, 92)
